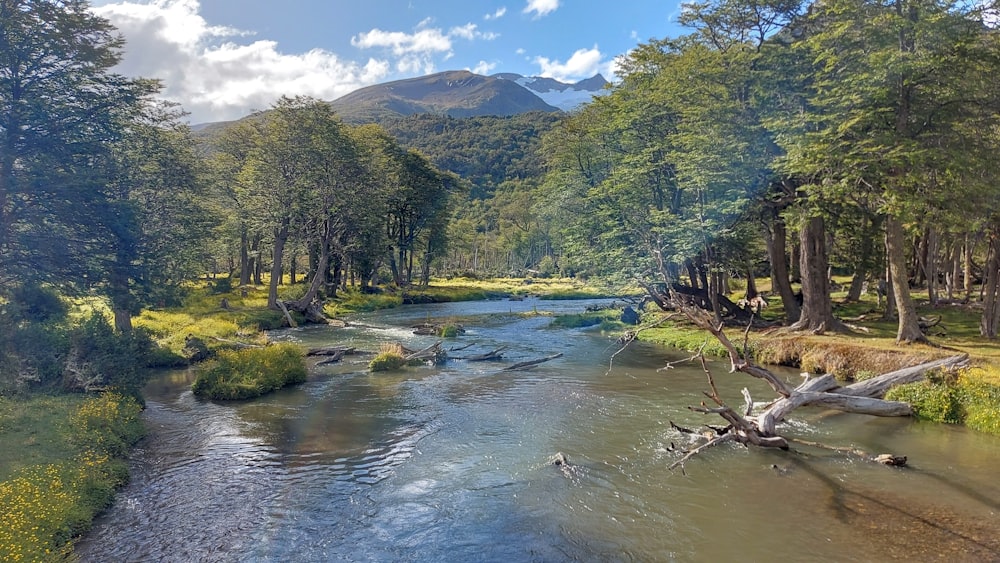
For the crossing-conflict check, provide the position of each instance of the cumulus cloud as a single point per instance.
(215, 72)
(497, 14)
(584, 63)
(541, 7)
(484, 68)
(418, 52)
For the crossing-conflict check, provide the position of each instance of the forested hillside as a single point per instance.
(485, 151)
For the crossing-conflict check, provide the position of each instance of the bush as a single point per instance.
(100, 357)
(389, 358)
(249, 373)
(980, 392)
(38, 304)
(938, 402)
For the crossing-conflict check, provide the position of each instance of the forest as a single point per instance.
(776, 139)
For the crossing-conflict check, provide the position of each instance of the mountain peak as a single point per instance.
(461, 93)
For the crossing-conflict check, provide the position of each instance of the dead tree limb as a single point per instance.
(432, 352)
(491, 355)
(532, 363)
(331, 351)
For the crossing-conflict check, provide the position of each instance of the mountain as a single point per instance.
(464, 94)
(564, 96)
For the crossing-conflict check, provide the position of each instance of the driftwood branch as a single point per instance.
(491, 355)
(532, 363)
(434, 352)
(331, 351)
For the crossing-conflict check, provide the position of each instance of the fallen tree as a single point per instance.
(760, 429)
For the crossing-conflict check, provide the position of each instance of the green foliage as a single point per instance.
(938, 402)
(50, 495)
(980, 392)
(605, 318)
(386, 361)
(451, 331)
(101, 357)
(973, 399)
(37, 304)
(249, 373)
(360, 302)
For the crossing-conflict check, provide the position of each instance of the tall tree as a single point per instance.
(153, 219)
(61, 109)
(894, 86)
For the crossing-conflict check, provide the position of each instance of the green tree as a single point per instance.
(153, 218)
(894, 89)
(61, 110)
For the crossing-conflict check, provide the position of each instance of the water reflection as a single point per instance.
(453, 464)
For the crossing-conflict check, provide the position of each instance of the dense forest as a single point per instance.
(776, 139)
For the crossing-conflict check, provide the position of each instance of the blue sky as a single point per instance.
(221, 59)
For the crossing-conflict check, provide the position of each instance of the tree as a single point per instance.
(153, 218)
(894, 89)
(61, 109)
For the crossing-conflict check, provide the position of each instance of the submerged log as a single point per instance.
(491, 355)
(331, 351)
(532, 363)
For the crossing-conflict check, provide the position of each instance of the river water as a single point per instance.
(453, 463)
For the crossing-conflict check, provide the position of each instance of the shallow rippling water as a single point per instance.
(452, 463)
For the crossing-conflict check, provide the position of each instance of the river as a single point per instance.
(453, 463)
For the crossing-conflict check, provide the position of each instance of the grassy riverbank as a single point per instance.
(61, 460)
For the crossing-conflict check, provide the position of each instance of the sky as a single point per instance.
(223, 59)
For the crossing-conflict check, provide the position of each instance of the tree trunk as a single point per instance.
(776, 238)
(280, 238)
(864, 267)
(692, 272)
(305, 304)
(967, 266)
(991, 301)
(930, 264)
(909, 328)
(244, 257)
(258, 264)
(817, 309)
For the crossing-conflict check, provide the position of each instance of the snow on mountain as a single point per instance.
(560, 94)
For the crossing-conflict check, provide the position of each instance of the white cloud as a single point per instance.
(212, 74)
(418, 52)
(424, 41)
(584, 63)
(484, 68)
(541, 7)
(497, 14)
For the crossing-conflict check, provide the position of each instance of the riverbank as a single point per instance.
(61, 460)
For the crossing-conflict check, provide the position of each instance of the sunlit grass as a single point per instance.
(59, 466)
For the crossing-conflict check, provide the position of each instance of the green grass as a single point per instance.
(972, 399)
(61, 460)
(249, 373)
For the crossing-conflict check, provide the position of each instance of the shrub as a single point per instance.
(979, 389)
(251, 372)
(451, 330)
(38, 304)
(938, 402)
(100, 357)
(389, 358)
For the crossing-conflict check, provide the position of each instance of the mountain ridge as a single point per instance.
(461, 93)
